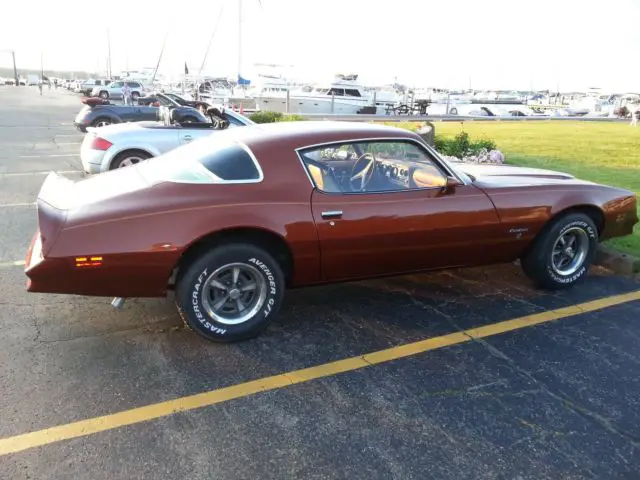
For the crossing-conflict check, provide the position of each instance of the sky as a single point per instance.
(488, 44)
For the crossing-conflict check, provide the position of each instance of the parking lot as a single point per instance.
(460, 374)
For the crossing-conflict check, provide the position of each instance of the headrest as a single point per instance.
(164, 115)
(427, 177)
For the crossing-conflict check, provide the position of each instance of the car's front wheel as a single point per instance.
(230, 293)
(561, 256)
(104, 94)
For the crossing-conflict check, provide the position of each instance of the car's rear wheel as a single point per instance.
(561, 256)
(104, 94)
(230, 293)
(129, 158)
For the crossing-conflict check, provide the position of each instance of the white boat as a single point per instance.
(341, 96)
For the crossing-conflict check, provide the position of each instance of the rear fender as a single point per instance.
(51, 212)
(145, 147)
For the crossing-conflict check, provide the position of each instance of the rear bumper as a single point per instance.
(81, 126)
(92, 160)
(122, 277)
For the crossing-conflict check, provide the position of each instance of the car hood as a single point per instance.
(510, 176)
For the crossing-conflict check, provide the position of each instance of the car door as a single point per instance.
(115, 90)
(403, 219)
(188, 135)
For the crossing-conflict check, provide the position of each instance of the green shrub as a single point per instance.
(272, 117)
(461, 145)
(292, 117)
(266, 117)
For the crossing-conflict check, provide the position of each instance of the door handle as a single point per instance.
(332, 214)
(187, 138)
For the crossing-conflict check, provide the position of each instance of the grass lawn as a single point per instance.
(602, 152)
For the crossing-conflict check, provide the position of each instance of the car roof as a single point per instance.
(302, 134)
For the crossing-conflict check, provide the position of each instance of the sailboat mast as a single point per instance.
(239, 37)
(109, 72)
(159, 58)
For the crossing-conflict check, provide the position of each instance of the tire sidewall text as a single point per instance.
(593, 240)
(214, 328)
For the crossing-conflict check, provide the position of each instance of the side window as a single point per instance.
(117, 84)
(98, 83)
(372, 167)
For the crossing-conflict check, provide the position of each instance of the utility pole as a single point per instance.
(15, 70)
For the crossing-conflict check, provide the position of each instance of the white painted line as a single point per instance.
(26, 174)
(50, 156)
(68, 143)
(10, 205)
(79, 134)
(16, 263)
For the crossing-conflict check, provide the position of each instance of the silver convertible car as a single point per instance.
(124, 144)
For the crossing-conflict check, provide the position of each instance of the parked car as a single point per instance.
(123, 145)
(99, 113)
(87, 86)
(233, 219)
(114, 90)
(171, 99)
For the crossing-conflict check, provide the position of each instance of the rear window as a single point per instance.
(205, 161)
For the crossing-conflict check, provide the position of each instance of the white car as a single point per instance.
(124, 144)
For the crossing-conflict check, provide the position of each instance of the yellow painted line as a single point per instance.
(90, 426)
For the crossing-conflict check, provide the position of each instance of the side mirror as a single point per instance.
(451, 185)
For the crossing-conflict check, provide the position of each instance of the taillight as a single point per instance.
(88, 262)
(100, 144)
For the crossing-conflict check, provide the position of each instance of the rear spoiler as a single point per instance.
(52, 205)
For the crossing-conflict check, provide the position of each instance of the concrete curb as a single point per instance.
(618, 262)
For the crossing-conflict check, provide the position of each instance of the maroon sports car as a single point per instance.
(230, 222)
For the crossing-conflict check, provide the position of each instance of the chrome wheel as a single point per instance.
(570, 251)
(129, 161)
(234, 293)
(103, 123)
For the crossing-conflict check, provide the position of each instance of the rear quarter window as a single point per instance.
(231, 162)
(205, 161)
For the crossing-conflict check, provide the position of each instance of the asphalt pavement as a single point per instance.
(423, 376)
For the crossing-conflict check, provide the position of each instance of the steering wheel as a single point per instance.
(362, 172)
